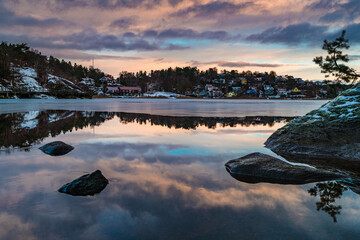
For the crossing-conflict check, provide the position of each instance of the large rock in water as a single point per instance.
(88, 184)
(56, 148)
(330, 132)
(258, 167)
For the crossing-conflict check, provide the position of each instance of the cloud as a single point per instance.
(9, 18)
(90, 40)
(185, 33)
(323, 4)
(352, 33)
(354, 57)
(189, 33)
(348, 11)
(236, 64)
(174, 2)
(123, 23)
(212, 8)
(246, 64)
(79, 55)
(99, 4)
(291, 35)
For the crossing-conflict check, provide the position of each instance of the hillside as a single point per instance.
(25, 72)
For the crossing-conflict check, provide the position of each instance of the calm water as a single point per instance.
(167, 175)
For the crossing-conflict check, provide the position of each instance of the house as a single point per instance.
(153, 87)
(112, 90)
(323, 93)
(88, 81)
(108, 80)
(236, 90)
(209, 87)
(4, 89)
(202, 94)
(231, 94)
(296, 91)
(252, 92)
(217, 93)
(269, 90)
(282, 92)
(130, 91)
(243, 81)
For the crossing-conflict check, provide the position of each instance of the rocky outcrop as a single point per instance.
(258, 167)
(56, 148)
(330, 132)
(88, 184)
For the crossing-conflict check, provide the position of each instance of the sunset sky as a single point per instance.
(132, 35)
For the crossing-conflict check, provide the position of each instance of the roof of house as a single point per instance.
(130, 88)
(113, 88)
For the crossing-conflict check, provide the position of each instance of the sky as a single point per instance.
(132, 35)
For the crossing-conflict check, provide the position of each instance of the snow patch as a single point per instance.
(344, 106)
(30, 120)
(162, 94)
(27, 80)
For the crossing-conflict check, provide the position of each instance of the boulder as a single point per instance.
(88, 184)
(258, 167)
(330, 132)
(56, 148)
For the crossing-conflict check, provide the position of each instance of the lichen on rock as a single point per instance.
(332, 131)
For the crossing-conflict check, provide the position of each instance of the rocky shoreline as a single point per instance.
(328, 138)
(332, 131)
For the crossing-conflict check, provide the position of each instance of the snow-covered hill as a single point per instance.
(54, 80)
(26, 81)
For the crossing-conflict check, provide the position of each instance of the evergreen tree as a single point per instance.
(331, 64)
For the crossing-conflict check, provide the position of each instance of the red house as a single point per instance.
(130, 91)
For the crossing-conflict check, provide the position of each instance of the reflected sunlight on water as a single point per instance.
(167, 181)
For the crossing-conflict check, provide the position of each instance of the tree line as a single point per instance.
(21, 55)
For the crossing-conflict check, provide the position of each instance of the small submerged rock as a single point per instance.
(88, 184)
(258, 167)
(56, 148)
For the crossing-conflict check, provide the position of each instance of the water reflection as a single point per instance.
(21, 130)
(328, 193)
(164, 183)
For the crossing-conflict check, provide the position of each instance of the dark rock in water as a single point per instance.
(258, 167)
(330, 132)
(56, 148)
(351, 168)
(88, 184)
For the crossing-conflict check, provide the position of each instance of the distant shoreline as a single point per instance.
(200, 98)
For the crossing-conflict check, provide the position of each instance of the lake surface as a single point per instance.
(165, 163)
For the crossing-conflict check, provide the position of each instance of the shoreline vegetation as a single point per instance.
(26, 73)
(220, 98)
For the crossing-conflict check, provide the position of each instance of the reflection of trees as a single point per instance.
(48, 123)
(194, 122)
(328, 192)
(53, 123)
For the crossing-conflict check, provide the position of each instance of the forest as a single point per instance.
(21, 55)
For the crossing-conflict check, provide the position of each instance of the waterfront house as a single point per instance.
(282, 92)
(112, 90)
(130, 91)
